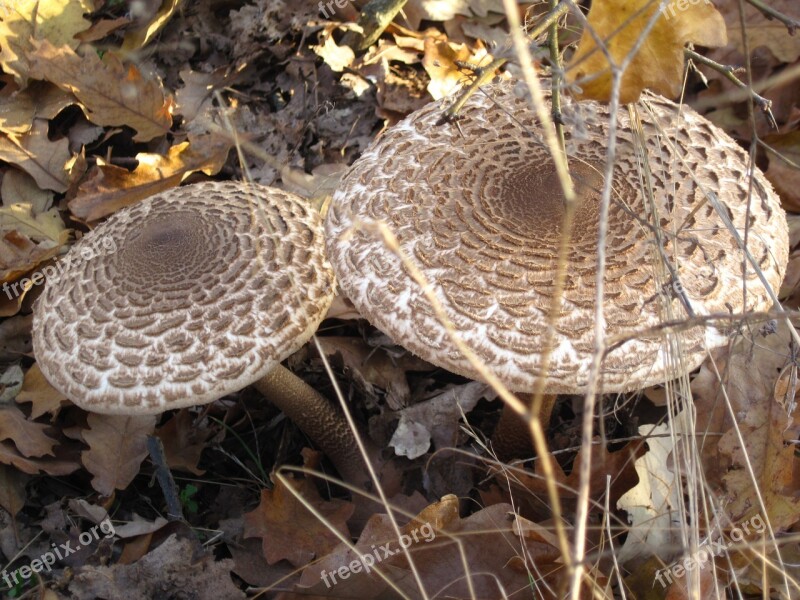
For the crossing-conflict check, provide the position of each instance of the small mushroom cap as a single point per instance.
(477, 207)
(187, 296)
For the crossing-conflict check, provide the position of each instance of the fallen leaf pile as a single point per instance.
(104, 103)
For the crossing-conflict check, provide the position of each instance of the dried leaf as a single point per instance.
(18, 255)
(117, 447)
(178, 564)
(183, 442)
(55, 20)
(760, 30)
(44, 398)
(140, 37)
(9, 455)
(112, 188)
(35, 154)
(110, 93)
(12, 490)
(491, 541)
(373, 368)
(39, 99)
(438, 418)
(28, 210)
(774, 464)
(102, 28)
(28, 436)
(785, 177)
(652, 502)
(338, 58)
(288, 530)
(440, 63)
(658, 62)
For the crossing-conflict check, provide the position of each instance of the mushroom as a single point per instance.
(477, 207)
(208, 288)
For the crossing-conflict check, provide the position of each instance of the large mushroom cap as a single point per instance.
(478, 208)
(191, 294)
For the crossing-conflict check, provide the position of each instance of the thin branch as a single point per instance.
(728, 71)
(791, 23)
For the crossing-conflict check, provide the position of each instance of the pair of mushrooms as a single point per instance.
(214, 284)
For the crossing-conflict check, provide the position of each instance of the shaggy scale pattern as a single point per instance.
(187, 296)
(477, 207)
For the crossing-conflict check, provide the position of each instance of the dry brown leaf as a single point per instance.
(39, 99)
(658, 62)
(139, 37)
(749, 374)
(183, 442)
(34, 153)
(338, 58)
(111, 188)
(198, 88)
(28, 436)
(28, 210)
(12, 490)
(9, 455)
(110, 93)
(440, 63)
(761, 31)
(785, 177)
(55, 20)
(288, 530)
(178, 565)
(371, 367)
(44, 398)
(102, 28)
(775, 466)
(619, 465)
(15, 338)
(492, 545)
(436, 419)
(18, 255)
(117, 447)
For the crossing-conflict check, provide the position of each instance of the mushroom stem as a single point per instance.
(316, 416)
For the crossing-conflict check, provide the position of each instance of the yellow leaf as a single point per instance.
(39, 99)
(22, 20)
(440, 63)
(658, 62)
(139, 37)
(27, 209)
(35, 154)
(110, 93)
(113, 187)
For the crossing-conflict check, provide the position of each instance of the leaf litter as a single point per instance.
(102, 107)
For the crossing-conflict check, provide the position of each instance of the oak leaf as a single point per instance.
(23, 21)
(183, 442)
(289, 530)
(34, 153)
(28, 436)
(493, 549)
(117, 447)
(44, 398)
(110, 93)
(110, 188)
(657, 63)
